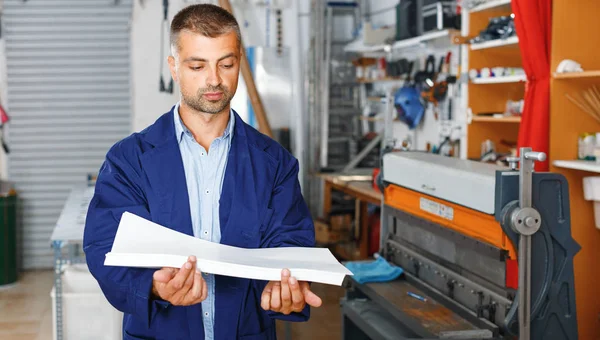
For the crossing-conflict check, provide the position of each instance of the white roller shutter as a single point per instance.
(68, 99)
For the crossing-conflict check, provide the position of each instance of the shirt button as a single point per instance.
(206, 233)
(208, 191)
(206, 314)
(202, 153)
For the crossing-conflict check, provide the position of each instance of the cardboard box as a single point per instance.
(341, 222)
(324, 234)
(379, 35)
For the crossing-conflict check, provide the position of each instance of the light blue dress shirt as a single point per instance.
(204, 173)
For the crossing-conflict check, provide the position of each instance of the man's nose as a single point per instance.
(214, 79)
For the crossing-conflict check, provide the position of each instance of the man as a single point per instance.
(200, 170)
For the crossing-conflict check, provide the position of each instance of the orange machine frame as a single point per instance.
(468, 222)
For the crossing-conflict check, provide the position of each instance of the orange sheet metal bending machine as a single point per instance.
(486, 250)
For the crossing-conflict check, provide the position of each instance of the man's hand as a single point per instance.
(288, 296)
(181, 287)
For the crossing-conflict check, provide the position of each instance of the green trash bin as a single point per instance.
(8, 238)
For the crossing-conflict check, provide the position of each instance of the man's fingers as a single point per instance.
(158, 288)
(164, 275)
(160, 281)
(286, 298)
(276, 297)
(297, 296)
(311, 298)
(196, 290)
(265, 299)
(204, 290)
(179, 280)
(189, 281)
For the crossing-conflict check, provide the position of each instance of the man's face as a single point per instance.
(206, 70)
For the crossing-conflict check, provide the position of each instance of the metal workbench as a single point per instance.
(66, 240)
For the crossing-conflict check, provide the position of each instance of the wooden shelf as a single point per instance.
(492, 4)
(578, 165)
(496, 120)
(500, 80)
(495, 43)
(577, 75)
(371, 119)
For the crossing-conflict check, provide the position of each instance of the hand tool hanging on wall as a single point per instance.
(408, 104)
(164, 25)
(423, 78)
(279, 32)
(439, 91)
(3, 120)
(429, 80)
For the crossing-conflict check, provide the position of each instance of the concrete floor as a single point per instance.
(325, 322)
(26, 314)
(25, 309)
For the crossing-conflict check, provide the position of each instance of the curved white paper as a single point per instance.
(142, 243)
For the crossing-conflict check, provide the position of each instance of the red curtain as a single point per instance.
(533, 22)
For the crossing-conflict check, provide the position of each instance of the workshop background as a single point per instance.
(342, 85)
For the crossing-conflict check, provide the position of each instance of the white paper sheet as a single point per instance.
(142, 243)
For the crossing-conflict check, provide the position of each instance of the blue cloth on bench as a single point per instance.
(378, 270)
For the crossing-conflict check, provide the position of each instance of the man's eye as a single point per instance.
(228, 66)
(196, 68)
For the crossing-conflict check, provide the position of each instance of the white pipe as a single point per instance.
(298, 113)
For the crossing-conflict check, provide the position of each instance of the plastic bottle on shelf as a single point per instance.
(597, 148)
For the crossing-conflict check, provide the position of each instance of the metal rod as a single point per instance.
(525, 180)
(363, 153)
(325, 89)
(524, 294)
(58, 310)
(388, 134)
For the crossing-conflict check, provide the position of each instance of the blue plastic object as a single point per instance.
(407, 102)
(373, 271)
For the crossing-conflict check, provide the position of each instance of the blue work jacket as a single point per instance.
(261, 206)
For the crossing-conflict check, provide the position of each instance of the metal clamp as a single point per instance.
(526, 221)
(513, 162)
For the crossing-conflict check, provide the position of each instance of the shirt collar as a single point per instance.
(181, 130)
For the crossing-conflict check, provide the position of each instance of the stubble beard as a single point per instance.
(201, 104)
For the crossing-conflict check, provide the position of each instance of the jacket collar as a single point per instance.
(181, 130)
(163, 131)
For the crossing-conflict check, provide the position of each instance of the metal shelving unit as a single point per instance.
(66, 241)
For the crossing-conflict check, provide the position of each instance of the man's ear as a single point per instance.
(173, 68)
